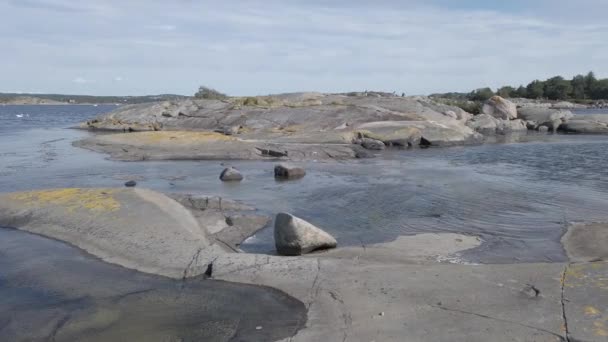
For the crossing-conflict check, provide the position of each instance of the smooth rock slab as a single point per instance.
(132, 227)
(294, 236)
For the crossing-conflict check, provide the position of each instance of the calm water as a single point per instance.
(516, 196)
(50, 291)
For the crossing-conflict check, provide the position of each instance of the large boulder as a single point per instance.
(487, 124)
(483, 123)
(294, 236)
(551, 118)
(500, 108)
(288, 171)
(231, 174)
(585, 126)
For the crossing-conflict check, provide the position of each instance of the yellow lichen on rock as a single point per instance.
(72, 199)
(169, 137)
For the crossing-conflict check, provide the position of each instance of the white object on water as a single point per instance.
(19, 115)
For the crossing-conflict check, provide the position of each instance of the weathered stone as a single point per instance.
(294, 236)
(288, 171)
(500, 108)
(585, 126)
(372, 144)
(552, 118)
(231, 174)
(130, 184)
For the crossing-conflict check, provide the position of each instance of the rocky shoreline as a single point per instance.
(313, 126)
(379, 292)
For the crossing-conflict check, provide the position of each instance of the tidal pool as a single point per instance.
(51, 291)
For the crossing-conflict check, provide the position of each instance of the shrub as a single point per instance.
(209, 94)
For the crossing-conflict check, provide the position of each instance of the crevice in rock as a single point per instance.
(133, 293)
(192, 262)
(564, 318)
(499, 320)
(58, 326)
(314, 289)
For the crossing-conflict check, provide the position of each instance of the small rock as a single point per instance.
(288, 171)
(294, 236)
(130, 184)
(231, 174)
(372, 144)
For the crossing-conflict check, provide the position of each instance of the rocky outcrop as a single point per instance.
(297, 126)
(488, 125)
(586, 123)
(230, 174)
(288, 171)
(294, 236)
(500, 108)
(135, 228)
(551, 118)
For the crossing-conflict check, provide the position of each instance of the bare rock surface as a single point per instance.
(291, 126)
(586, 242)
(135, 228)
(551, 118)
(387, 296)
(500, 108)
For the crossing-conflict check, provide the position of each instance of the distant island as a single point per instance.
(56, 99)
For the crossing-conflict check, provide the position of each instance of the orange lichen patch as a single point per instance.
(168, 137)
(72, 199)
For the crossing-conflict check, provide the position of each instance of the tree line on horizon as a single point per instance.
(582, 88)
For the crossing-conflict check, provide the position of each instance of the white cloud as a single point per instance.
(276, 46)
(81, 80)
(118, 79)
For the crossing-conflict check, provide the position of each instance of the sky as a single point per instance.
(259, 47)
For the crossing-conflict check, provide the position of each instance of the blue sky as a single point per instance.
(134, 47)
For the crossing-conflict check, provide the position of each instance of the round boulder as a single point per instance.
(231, 174)
(294, 236)
(288, 171)
(500, 108)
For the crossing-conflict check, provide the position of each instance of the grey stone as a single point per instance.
(294, 236)
(130, 184)
(585, 126)
(552, 118)
(372, 144)
(288, 171)
(231, 174)
(500, 108)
